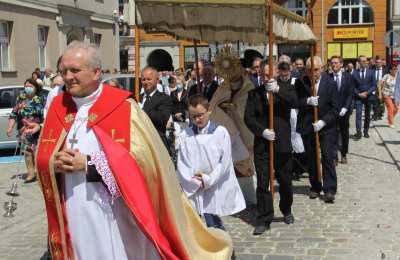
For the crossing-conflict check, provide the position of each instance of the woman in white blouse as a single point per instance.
(388, 88)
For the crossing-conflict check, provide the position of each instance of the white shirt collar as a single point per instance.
(151, 94)
(89, 100)
(204, 130)
(338, 73)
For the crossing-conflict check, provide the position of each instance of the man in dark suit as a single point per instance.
(157, 105)
(256, 76)
(377, 104)
(345, 86)
(328, 109)
(364, 88)
(256, 118)
(208, 85)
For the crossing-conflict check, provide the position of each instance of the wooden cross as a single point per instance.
(113, 132)
(48, 140)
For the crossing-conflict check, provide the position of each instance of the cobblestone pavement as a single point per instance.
(362, 224)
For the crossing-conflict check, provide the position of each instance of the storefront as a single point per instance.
(350, 43)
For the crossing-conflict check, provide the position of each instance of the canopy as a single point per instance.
(222, 20)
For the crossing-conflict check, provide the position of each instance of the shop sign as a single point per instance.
(350, 33)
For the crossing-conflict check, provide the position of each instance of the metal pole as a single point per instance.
(137, 62)
(271, 97)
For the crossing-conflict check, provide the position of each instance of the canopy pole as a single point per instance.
(271, 97)
(137, 62)
(196, 60)
(315, 110)
(314, 93)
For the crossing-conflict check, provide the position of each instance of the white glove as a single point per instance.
(313, 101)
(319, 125)
(343, 111)
(269, 134)
(272, 86)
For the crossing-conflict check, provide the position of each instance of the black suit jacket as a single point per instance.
(367, 84)
(346, 91)
(208, 94)
(159, 109)
(179, 106)
(328, 105)
(257, 117)
(384, 71)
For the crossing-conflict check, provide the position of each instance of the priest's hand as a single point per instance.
(70, 161)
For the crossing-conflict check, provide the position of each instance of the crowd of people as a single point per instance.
(104, 160)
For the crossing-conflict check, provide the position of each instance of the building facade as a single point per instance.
(34, 33)
(348, 28)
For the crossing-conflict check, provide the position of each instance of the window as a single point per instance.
(96, 39)
(42, 41)
(345, 12)
(297, 6)
(4, 46)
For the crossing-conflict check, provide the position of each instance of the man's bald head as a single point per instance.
(149, 79)
(318, 67)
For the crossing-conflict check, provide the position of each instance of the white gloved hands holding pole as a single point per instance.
(318, 125)
(269, 134)
(272, 86)
(313, 101)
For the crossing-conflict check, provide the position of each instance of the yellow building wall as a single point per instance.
(325, 35)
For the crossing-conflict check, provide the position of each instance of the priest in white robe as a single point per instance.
(107, 179)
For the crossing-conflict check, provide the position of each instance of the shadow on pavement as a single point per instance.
(371, 158)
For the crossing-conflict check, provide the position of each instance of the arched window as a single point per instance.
(345, 12)
(297, 6)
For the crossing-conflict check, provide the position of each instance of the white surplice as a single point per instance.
(211, 154)
(100, 229)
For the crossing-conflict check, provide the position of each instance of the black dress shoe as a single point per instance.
(357, 136)
(366, 135)
(288, 219)
(33, 179)
(313, 195)
(329, 198)
(260, 229)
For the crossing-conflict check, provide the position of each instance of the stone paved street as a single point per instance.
(362, 224)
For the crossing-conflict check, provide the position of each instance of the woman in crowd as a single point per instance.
(388, 88)
(28, 109)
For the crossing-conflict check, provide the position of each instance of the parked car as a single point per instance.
(126, 81)
(8, 98)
